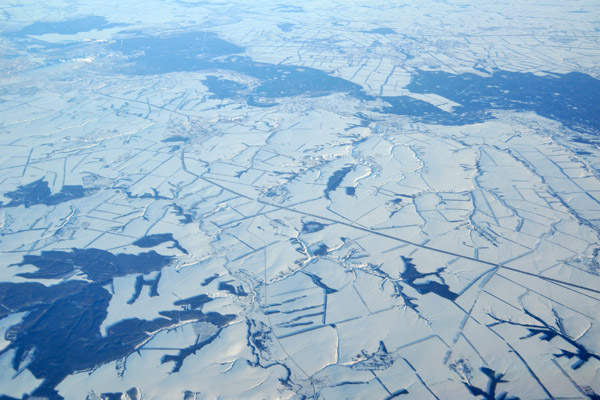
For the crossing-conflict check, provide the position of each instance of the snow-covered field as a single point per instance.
(321, 200)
